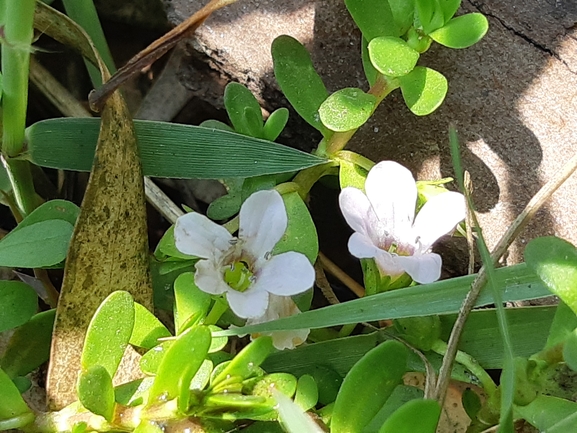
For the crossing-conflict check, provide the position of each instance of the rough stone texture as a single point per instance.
(513, 96)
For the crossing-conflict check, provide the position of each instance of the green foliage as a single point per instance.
(347, 109)
(307, 392)
(424, 90)
(109, 333)
(392, 56)
(14, 412)
(376, 374)
(95, 391)
(243, 110)
(462, 32)
(19, 303)
(415, 416)
(375, 18)
(191, 303)
(147, 328)
(297, 78)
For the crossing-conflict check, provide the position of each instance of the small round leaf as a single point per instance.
(462, 32)
(347, 109)
(95, 391)
(392, 56)
(275, 124)
(424, 90)
(415, 416)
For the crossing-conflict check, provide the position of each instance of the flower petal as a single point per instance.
(208, 278)
(387, 264)
(263, 221)
(285, 275)
(362, 247)
(424, 268)
(196, 235)
(249, 304)
(392, 191)
(356, 209)
(438, 217)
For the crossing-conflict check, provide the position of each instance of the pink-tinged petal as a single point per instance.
(196, 235)
(249, 304)
(392, 192)
(282, 340)
(362, 247)
(387, 264)
(286, 274)
(423, 269)
(356, 209)
(208, 278)
(263, 221)
(438, 217)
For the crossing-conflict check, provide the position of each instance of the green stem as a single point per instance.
(18, 21)
(382, 87)
(22, 185)
(471, 364)
(218, 309)
(308, 177)
(355, 158)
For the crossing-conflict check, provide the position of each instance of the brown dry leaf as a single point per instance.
(109, 248)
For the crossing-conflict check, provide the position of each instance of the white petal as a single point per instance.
(392, 191)
(362, 247)
(249, 304)
(263, 221)
(423, 269)
(208, 278)
(356, 209)
(438, 217)
(286, 274)
(196, 235)
(286, 339)
(387, 264)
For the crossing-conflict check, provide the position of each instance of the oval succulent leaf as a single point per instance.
(243, 110)
(19, 303)
(95, 391)
(109, 332)
(376, 374)
(374, 18)
(415, 416)
(347, 109)
(11, 402)
(275, 124)
(424, 90)
(462, 32)
(392, 56)
(554, 260)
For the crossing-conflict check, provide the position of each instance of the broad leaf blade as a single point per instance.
(374, 18)
(167, 150)
(462, 32)
(18, 302)
(95, 391)
(424, 90)
(347, 109)
(415, 416)
(392, 56)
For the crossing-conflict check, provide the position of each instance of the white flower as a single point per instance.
(244, 268)
(281, 306)
(383, 222)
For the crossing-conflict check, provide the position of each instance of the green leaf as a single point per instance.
(570, 350)
(471, 403)
(179, 365)
(376, 374)
(351, 174)
(243, 110)
(374, 18)
(403, 14)
(462, 32)
(370, 72)
(29, 346)
(167, 246)
(51, 210)
(11, 402)
(263, 386)
(247, 362)
(307, 393)
(546, 412)
(297, 78)
(190, 301)
(564, 322)
(18, 302)
(109, 332)
(38, 245)
(449, 8)
(400, 395)
(95, 391)
(441, 297)
(167, 149)
(301, 233)
(275, 124)
(151, 360)
(392, 56)
(147, 328)
(415, 416)
(554, 260)
(429, 14)
(347, 109)
(424, 90)
(420, 332)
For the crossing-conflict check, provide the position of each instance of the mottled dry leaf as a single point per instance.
(109, 248)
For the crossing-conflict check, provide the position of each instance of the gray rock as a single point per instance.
(513, 96)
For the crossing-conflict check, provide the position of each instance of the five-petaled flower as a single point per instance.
(245, 268)
(384, 227)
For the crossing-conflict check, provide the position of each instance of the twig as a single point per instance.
(323, 284)
(506, 240)
(469, 226)
(341, 275)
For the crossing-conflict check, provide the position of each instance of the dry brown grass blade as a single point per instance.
(109, 248)
(153, 52)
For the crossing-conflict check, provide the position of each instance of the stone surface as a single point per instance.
(513, 96)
